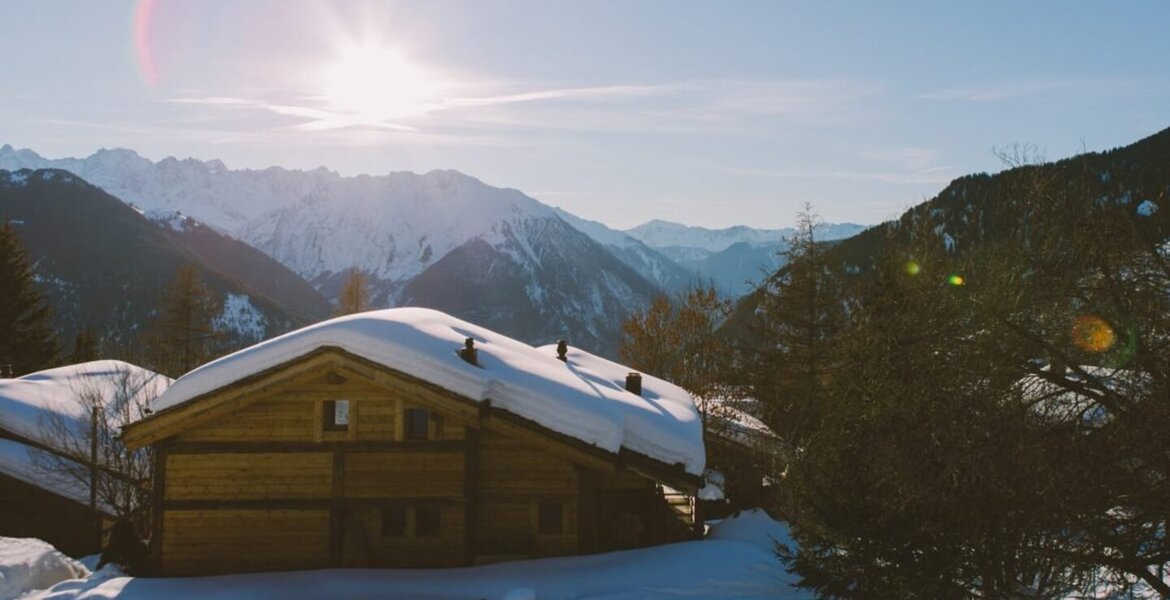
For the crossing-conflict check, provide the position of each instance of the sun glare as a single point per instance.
(375, 84)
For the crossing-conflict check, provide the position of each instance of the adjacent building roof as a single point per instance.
(29, 401)
(584, 398)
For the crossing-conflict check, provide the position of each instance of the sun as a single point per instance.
(375, 84)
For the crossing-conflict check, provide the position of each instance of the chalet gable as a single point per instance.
(413, 356)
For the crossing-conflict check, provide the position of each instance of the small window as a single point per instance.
(417, 423)
(426, 520)
(335, 415)
(550, 518)
(393, 521)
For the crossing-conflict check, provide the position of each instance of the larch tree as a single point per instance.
(680, 343)
(27, 340)
(355, 293)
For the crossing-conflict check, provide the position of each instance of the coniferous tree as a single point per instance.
(793, 349)
(183, 333)
(85, 347)
(27, 340)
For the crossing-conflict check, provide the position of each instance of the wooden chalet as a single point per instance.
(408, 438)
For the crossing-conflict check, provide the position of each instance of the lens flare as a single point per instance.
(912, 268)
(956, 280)
(1093, 334)
(143, 54)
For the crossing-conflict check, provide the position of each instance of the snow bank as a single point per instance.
(709, 569)
(735, 561)
(585, 399)
(753, 527)
(28, 564)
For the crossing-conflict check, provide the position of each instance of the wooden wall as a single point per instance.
(514, 478)
(267, 487)
(29, 511)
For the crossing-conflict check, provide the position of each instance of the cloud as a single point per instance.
(932, 175)
(684, 106)
(1004, 90)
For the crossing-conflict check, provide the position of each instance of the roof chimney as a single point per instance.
(634, 383)
(562, 350)
(469, 353)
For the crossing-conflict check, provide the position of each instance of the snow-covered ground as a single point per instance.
(28, 564)
(735, 561)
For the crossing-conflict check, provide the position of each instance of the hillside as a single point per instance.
(104, 265)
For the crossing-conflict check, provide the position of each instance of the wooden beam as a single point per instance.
(337, 511)
(340, 446)
(470, 492)
(157, 499)
(675, 475)
(302, 503)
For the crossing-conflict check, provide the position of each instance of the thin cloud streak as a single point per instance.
(1006, 90)
(678, 107)
(934, 175)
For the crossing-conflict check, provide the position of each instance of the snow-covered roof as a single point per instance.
(728, 418)
(26, 401)
(16, 461)
(584, 399)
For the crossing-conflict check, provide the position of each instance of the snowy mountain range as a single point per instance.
(735, 259)
(440, 239)
(104, 265)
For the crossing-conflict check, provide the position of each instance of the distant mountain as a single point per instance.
(735, 258)
(648, 262)
(395, 228)
(104, 265)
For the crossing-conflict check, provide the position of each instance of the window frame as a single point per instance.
(329, 416)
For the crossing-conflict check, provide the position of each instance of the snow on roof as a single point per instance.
(16, 461)
(27, 400)
(654, 420)
(585, 399)
(728, 417)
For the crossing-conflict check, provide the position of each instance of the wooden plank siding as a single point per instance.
(514, 478)
(254, 481)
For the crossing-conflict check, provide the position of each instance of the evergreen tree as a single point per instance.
(183, 334)
(27, 340)
(85, 347)
(793, 345)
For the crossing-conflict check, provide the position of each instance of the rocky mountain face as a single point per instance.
(104, 265)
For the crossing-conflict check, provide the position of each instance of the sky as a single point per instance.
(704, 113)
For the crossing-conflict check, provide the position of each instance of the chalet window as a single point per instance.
(417, 423)
(335, 415)
(550, 518)
(426, 520)
(394, 521)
